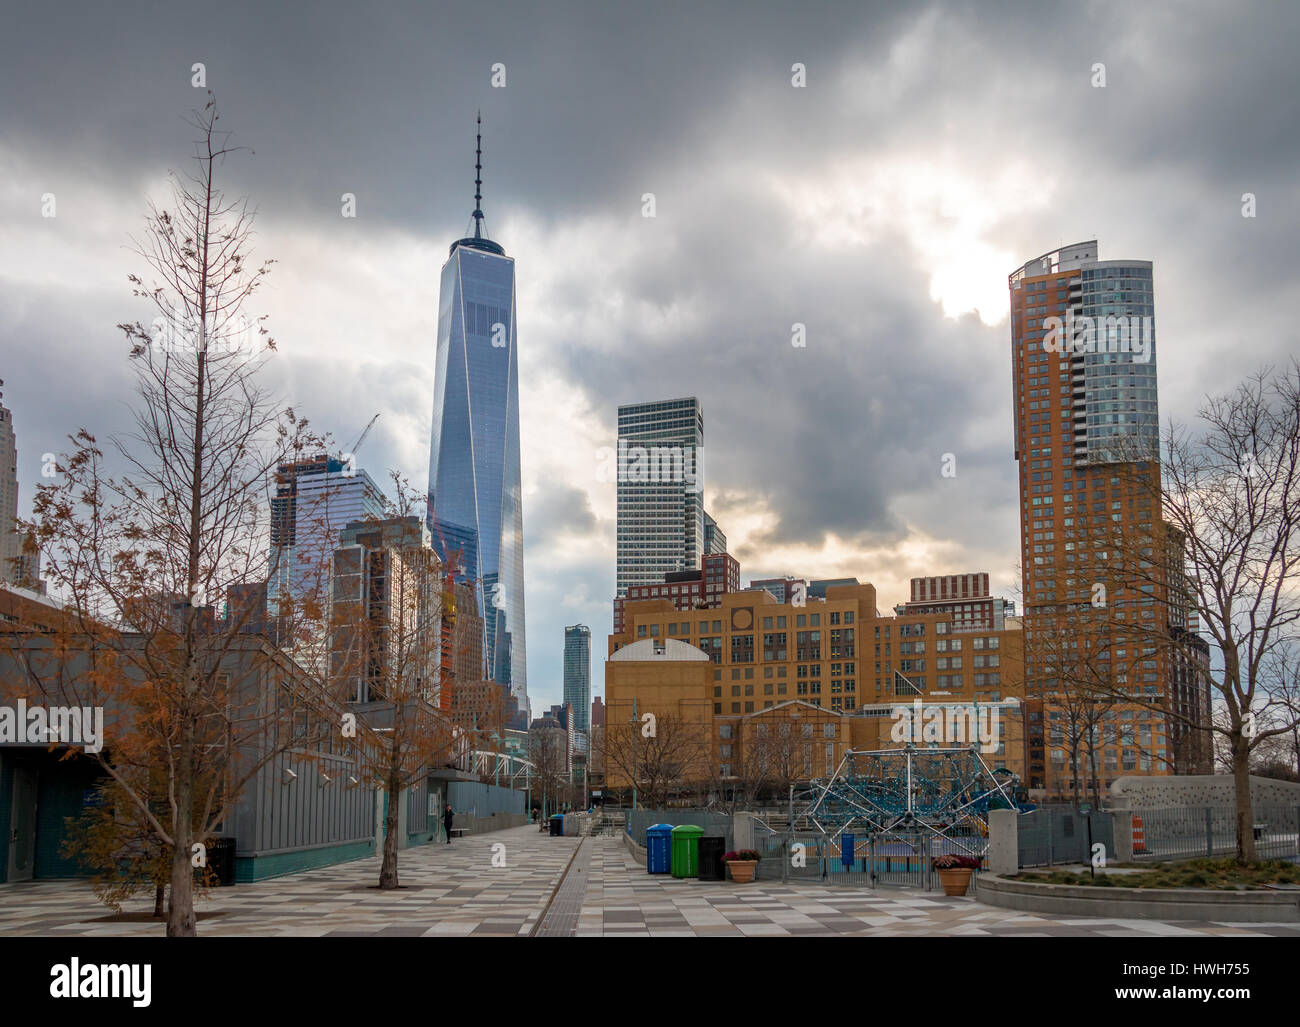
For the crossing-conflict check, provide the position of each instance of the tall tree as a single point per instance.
(146, 557)
(385, 629)
(1229, 492)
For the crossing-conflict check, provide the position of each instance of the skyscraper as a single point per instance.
(475, 492)
(10, 540)
(1085, 398)
(1086, 440)
(315, 499)
(577, 674)
(661, 515)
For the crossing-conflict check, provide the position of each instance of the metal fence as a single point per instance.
(1050, 835)
(713, 823)
(781, 861)
(890, 859)
(1191, 832)
(895, 858)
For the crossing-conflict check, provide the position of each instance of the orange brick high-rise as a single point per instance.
(1087, 444)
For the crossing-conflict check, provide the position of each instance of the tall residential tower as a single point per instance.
(1098, 611)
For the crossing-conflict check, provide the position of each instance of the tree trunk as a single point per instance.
(1245, 810)
(388, 872)
(180, 910)
(159, 892)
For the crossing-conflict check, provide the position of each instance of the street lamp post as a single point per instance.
(635, 722)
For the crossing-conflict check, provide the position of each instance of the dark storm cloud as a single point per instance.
(693, 103)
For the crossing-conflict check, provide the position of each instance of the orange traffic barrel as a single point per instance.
(1139, 835)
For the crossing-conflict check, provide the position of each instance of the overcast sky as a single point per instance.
(932, 150)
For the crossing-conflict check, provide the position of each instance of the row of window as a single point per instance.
(846, 702)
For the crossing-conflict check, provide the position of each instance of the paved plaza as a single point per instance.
(557, 887)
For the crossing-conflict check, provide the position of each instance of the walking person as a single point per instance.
(447, 818)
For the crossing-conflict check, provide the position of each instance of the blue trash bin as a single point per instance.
(557, 825)
(658, 844)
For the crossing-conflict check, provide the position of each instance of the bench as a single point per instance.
(459, 832)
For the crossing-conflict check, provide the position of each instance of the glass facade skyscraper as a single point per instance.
(661, 516)
(577, 674)
(475, 495)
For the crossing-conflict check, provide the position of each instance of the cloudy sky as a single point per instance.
(933, 149)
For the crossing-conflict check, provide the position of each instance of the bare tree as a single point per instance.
(738, 780)
(145, 558)
(548, 752)
(660, 763)
(385, 628)
(1228, 552)
(1069, 663)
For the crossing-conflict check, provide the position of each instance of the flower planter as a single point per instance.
(741, 871)
(955, 881)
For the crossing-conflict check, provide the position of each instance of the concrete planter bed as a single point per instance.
(1258, 906)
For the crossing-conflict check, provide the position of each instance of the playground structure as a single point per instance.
(931, 797)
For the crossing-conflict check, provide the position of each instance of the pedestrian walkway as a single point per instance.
(446, 890)
(622, 900)
(558, 887)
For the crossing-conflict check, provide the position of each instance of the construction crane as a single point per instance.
(357, 445)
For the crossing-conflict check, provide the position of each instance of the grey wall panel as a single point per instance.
(482, 799)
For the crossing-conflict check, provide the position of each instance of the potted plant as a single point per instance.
(741, 865)
(955, 871)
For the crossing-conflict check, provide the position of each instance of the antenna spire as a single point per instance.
(478, 181)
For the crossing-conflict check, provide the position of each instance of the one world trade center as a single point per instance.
(475, 499)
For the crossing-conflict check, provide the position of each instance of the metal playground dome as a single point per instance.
(941, 792)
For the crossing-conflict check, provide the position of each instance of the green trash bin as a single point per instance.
(686, 850)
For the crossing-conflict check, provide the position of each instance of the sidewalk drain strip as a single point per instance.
(572, 896)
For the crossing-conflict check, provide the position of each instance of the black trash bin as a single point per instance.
(711, 851)
(221, 860)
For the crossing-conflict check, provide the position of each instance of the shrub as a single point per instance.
(742, 856)
(951, 861)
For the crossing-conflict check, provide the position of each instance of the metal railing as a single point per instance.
(894, 858)
(1192, 832)
(1050, 835)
